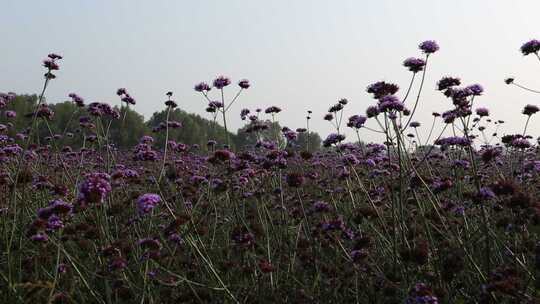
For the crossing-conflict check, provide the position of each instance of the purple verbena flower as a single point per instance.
(147, 202)
(530, 47)
(429, 46)
(221, 81)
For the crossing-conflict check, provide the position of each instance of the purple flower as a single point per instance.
(221, 81)
(223, 155)
(447, 82)
(421, 294)
(453, 141)
(45, 112)
(54, 223)
(429, 46)
(414, 64)
(117, 264)
(333, 139)
(482, 112)
(244, 113)
(40, 237)
(336, 108)
(121, 91)
(56, 207)
(350, 159)
(381, 88)
(485, 194)
(449, 116)
(521, 143)
(530, 47)
(146, 139)
(215, 104)
(290, 135)
(372, 111)
(202, 87)
(490, 153)
(476, 89)
(62, 268)
(530, 110)
(244, 84)
(128, 99)
(321, 206)
(95, 188)
(356, 121)
(390, 103)
(54, 56)
(272, 110)
(147, 202)
(176, 238)
(50, 64)
(76, 99)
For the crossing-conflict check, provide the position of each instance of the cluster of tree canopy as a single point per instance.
(125, 132)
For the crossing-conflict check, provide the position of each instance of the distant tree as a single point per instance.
(314, 141)
(22, 105)
(126, 132)
(274, 133)
(194, 129)
(246, 137)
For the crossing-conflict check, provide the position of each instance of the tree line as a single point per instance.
(126, 131)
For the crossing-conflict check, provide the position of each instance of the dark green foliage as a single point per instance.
(126, 131)
(194, 130)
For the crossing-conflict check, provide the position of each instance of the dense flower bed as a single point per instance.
(450, 218)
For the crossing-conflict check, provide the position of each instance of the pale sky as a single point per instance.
(299, 55)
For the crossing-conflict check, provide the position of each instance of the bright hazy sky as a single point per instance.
(299, 55)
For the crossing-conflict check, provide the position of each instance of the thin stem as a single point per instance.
(431, 130)
(525, 88)
(418, 96)
(409, 89)
(234, 99)
(224, 117)
(526, 124)
(166, 144)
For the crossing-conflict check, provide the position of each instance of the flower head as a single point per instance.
(482, 112)
(390, 103)
(372, 111)
(530, 47)
(333, 139)
(447, 82)
(221, 81)
(530, 110)
(147, 202)
(201, 87)
(272, 110)
(429, 46)
(476, 89)
(244, 84)
(381, 88)
(356, 121)
(94, 188)
(414, 64)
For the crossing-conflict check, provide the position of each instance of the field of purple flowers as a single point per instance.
(450, 218)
